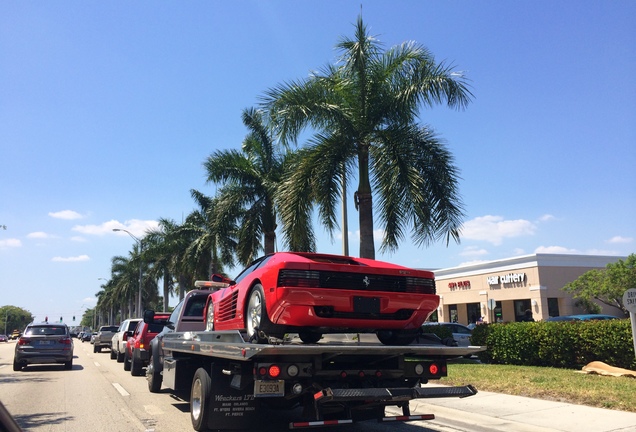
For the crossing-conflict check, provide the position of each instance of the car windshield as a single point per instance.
(45, 331)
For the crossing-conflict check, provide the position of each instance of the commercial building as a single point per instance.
(504, 290)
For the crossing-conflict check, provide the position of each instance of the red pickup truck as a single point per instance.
(137, 351)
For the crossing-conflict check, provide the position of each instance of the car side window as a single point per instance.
(256, 264)
(174, 316)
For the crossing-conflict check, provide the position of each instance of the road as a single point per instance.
(98, 395)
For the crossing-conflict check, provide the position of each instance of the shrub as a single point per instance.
(563, 344)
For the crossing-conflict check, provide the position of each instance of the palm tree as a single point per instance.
(160, 251)
(213, 231)
(364, 111)
(249, 180)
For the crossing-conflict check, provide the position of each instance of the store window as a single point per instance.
(474, 312)
(452, 313)
(553, 307)
(521, 306)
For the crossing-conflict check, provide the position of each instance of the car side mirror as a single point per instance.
(219, 278)
(149, 316)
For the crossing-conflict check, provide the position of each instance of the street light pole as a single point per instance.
(141, 249)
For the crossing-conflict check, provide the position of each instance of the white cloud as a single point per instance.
(66, 214)
(71, 259)
(78, 239)
(473, 251)
(547, 218)
(10, 243)
(620, 240)
(137, 227)
(39, 235)
(556, 250)
(494, 229)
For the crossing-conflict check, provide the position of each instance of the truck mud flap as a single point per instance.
(391, 394)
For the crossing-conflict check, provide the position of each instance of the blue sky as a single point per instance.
(108, 110)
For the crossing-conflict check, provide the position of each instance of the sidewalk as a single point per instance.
(497, 412)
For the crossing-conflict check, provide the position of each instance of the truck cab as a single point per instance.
(187, 316)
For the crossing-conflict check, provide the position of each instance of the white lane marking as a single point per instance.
(120, 389)
(97, 364)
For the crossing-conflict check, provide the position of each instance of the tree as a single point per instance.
(249, 180)
(14, 318)
(364, 110)
(605, 285)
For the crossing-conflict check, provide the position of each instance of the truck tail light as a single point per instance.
(274, 371)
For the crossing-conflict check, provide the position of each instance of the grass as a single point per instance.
(563, 385)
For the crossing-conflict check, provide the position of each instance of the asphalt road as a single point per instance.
(98, 395)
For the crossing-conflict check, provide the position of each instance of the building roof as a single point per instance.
(527, 261)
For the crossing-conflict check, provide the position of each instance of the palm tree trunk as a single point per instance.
(166, 290)
(365, 204)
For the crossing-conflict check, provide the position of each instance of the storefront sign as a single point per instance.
(461, 285)
(506, 279)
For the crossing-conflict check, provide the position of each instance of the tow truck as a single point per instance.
(340, 380)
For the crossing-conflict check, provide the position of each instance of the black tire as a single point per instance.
(113, 354)
(68, 365)
(136, 366)
(396, 337)
(120, 357)
(126, 361)
(256, 319)
(309, 337)
(199, 395)
(17, 366)
(153, 376)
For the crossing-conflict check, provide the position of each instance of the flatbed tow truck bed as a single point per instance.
(335, 381)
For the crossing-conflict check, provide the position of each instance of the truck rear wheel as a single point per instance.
(153, 376)
(199, 395)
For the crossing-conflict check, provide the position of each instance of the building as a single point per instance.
(504, 290)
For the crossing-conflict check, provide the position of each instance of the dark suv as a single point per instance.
(44, 343)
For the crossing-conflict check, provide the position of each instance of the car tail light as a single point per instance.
(299, 278)
(420, 285)
(24, 341)
(66, 341)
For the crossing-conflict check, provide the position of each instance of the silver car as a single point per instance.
(44, 343)
(461, 333)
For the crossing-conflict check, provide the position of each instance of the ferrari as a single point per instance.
(312, 294)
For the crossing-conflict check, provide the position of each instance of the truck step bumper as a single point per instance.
(392, 394)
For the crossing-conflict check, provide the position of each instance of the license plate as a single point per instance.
(368, 305)
(269, 388)
(45, 342)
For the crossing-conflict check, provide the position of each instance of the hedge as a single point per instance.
(562, 344)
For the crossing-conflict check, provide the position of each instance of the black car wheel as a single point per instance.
(126, 361)
(153, 376)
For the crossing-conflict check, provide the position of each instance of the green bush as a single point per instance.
(563, 344)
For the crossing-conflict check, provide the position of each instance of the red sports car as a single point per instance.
(312, 294)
